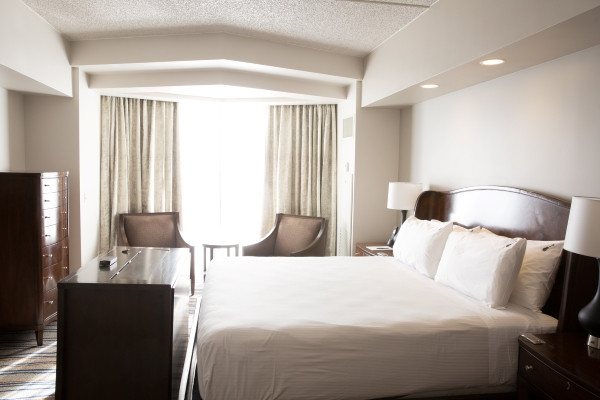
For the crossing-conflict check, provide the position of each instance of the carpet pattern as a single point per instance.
(28, 371)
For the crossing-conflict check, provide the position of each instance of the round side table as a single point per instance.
(211, 248)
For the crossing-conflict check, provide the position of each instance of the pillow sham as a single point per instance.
(420, 244)
(482, 265)
(537, 274)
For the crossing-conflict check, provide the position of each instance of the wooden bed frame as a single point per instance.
(520, 213)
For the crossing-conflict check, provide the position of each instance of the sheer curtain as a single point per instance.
(139, 163)
(301, 163)
(222, 152)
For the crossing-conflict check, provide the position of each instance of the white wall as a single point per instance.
(89, 169)
(536, 129)
(345, 172)
(33, 55)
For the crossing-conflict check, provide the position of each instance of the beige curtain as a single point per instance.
(139, 164)
(300, 165)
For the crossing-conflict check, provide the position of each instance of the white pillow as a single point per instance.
(482, 265)
(420, 244)
(459, 228)
(537, 275)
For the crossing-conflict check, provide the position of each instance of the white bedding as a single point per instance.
(349, 328)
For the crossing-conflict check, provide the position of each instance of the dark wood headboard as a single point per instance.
(516, 212)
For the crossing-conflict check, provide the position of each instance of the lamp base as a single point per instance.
(593, 342)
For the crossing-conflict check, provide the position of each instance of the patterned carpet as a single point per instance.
(28, 371)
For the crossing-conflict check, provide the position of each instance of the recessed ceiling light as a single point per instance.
(429, 86)
(492, 61)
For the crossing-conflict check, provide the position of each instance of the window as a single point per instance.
(222, 160)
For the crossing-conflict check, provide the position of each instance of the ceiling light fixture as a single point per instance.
(390, 2)
(429, 85)
(492, 61)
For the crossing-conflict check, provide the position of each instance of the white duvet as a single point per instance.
(349, 328)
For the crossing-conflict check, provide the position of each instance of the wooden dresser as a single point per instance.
(123, 330)
(34, 232)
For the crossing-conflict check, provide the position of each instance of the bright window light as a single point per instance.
(222, 157)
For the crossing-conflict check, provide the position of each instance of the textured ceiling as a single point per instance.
(342, 26)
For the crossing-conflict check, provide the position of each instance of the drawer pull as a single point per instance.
(47, 255)
(529, 367)
(49, 301)
(46, 216)
(568, 386)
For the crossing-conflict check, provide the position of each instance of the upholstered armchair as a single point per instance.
(292, 235)
(154, 230)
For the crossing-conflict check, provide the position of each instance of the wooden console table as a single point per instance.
(123, 330)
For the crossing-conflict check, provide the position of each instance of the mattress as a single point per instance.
(349, 328)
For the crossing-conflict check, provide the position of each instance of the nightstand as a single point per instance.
(362, 249)
(562, 368)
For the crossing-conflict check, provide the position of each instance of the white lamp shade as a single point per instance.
(583, 229)
(403, 195)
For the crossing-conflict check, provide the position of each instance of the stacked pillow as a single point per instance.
(482, 265)
(490, 268)
(420, 244)
(538, 273)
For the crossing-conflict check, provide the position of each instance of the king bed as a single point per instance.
(441, 318)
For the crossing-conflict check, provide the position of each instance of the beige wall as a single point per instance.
(52, 144)
(537, 129)
(377, 146)
(12, 141)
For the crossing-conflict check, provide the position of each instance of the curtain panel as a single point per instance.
(139, 163)
(300, 165)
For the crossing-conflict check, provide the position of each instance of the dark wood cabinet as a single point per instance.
(564, 367)
(34, 232)
(123, 330)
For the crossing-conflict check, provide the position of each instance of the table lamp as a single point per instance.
(402, 196)
(583, 237)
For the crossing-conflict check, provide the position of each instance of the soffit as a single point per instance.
(344, 27)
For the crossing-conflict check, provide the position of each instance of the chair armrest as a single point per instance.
(317, 247)
(262, 248)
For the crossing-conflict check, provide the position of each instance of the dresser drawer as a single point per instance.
(53, 274)
(54, 199)
(50, 200)
(50, 303)
(50, 234)
(550, 381)
(50, 185)
(51, 216)
(54, 253)
(54, 233)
